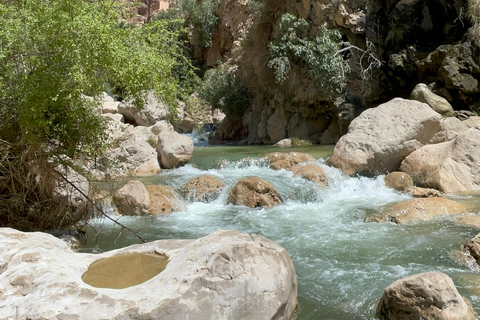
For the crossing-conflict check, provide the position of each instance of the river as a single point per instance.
(343, 264)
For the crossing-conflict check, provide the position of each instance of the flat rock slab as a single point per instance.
(229, 274)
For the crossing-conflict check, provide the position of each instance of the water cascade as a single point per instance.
(343, 263)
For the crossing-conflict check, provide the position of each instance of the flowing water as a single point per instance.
(343, 264)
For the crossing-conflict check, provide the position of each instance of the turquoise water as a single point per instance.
(343, 264)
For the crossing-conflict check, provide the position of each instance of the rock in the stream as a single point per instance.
(254, 192)
(423, 209)
(471, 251)
(132, 199)
(428, 296)
(228, 274)
(380, 138)
(173, 148)
(399, 181)
(279, 160)
(163, 199)
(451, 166)
(205, 188)
(312, 172)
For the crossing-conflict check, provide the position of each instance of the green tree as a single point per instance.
(52, 54)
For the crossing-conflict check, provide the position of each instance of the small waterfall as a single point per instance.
(343, 263)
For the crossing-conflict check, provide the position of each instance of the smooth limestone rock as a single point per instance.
(422, 93)
(173, 148)
(205, 188)
(153, 111)
(451, 166)
(279, 160)
(380, 138)
(132, 199)
(312, 172)
(254, 192)
(428, 296)
(229, 274)
(108, 104)
(422, 209)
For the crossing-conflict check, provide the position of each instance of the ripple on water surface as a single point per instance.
(343, 264)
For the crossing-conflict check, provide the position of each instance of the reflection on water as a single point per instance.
(124, 270)
(343, 264)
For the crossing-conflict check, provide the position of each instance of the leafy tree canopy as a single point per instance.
(53, 53)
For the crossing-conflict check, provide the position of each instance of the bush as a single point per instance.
(201, 17)
(52, 54)
(320, 55)
(223, 89)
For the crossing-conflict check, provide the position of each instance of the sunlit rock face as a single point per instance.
(426, 296)
(229, 274)
(380, 138)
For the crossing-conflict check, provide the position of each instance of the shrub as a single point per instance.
(202, 17)
(320, 55)
(223, 89)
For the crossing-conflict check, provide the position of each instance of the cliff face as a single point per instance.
(389, 46)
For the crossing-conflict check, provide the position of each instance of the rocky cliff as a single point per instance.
(387, 46)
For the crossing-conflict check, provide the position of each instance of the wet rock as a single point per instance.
(429, 296)
(312, 172)
(450, 166)
(469, 220)
(419, 192)
(229, 274)
(471, 251)
(286, 161)
(423, 94)
(399, 181)
(153, 111)
(132, 199)
(163, 199)
(203, 189)
(173, 148)
(254, 192)
(380, 138)
(422, 209)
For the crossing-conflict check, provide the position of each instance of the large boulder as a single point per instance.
(132, 199)
(422, 209)
(422, 93)
(229, 274)
(205, 188)
(450, 166)
(279, 160)
(254, 192)
(429, 296)
(380, 138)
(153, 111)
(163, 199)
(173, 148)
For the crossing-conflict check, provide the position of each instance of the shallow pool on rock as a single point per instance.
(343, 263)
(124, 270)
